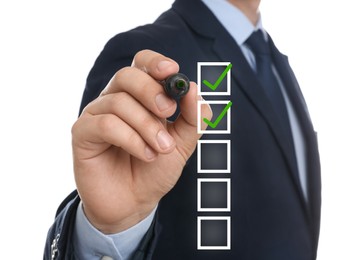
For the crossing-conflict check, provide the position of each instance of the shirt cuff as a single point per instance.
(89, 243)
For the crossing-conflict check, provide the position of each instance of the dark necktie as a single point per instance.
(264, 73)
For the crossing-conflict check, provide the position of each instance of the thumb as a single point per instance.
(185, 126)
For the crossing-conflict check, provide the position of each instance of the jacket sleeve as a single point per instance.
(59, 244)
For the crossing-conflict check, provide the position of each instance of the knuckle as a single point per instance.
(74, 128)
(106, 123)
(122, 73)
(146, 60)
(150, 124)
(117, 99)
(140, 55)
(77, 128)
(134, 139)
(87, 108)
(129, 76)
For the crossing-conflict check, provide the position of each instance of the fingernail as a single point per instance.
(163, 65)
(164, 139)
(163, 102)
(149, 153)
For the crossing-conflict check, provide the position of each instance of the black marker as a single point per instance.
(176, 85)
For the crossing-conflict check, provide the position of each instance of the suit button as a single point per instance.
(106, 258)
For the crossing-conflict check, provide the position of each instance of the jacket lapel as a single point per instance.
(250, 85)
(246, 80)
(292, 87)
(298, 101)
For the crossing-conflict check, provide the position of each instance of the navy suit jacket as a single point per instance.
(270, 218)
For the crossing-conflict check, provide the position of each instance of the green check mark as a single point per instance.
(218, 81)
(218, 119)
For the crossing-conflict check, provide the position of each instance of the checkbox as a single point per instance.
(213, 195)
(221, 118)
(213, 156)
(214, 78)
(214, 233)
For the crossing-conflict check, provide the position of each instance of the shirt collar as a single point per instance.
(234, 20)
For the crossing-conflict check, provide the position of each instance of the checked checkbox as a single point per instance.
(220, 122)
(214, 78)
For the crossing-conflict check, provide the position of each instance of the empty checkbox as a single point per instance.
(213, 156)
(213, 194)
(214, 233)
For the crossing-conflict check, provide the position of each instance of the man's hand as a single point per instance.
(126, 155)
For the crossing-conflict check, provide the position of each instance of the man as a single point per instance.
(136, 173)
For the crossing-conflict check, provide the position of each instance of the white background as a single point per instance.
(47, 49)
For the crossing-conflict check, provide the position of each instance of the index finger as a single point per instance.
(142, 82)
(155, 64)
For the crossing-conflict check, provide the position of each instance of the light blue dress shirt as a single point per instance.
(91, 244)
